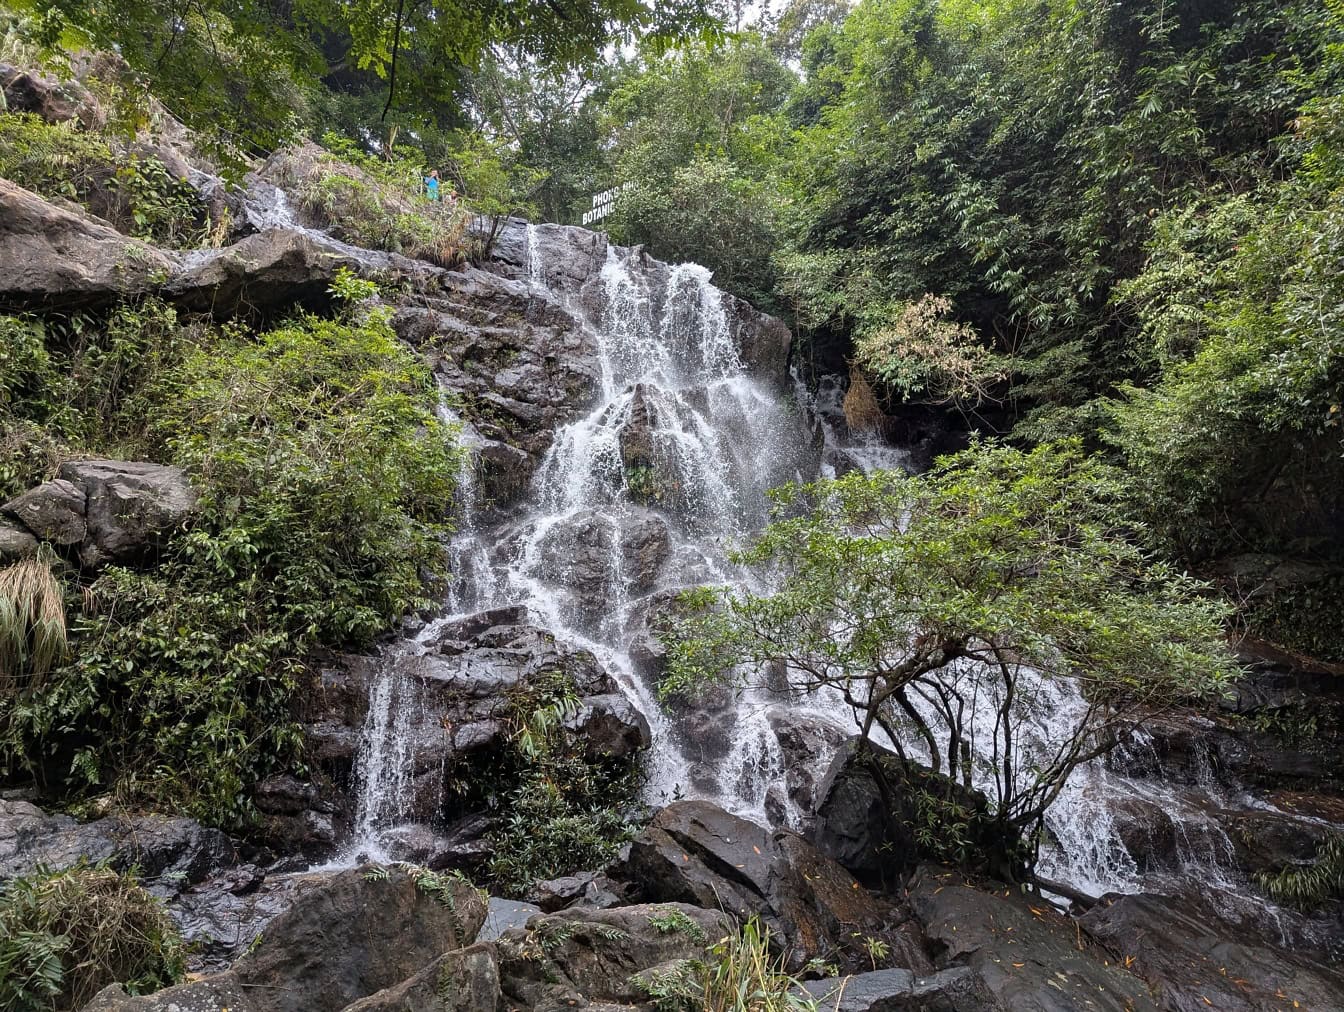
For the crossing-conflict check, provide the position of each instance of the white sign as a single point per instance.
(603, 203)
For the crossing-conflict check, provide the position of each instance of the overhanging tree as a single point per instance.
(947, 608)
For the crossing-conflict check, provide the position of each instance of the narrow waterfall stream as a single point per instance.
(644, 493)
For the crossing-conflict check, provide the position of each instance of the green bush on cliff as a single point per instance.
(561, 810)
(136, 193)
(65, 935)
(325, 480)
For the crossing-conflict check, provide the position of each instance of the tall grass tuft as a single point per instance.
(738, 974)
(32, 625)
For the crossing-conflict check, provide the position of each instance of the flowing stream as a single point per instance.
(645, 493)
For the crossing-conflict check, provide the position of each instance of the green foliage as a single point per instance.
(324, 479)
(375, 203)
(251, 74)
(739, 973)
(1313, 885)
(698, 132)
(1240, 440)
(972, 585)
(64, 935)
(562, 811)
(80, 380)
(923, 355)
(670, 920)
(136, 193)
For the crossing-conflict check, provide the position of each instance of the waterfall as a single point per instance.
(644, 492)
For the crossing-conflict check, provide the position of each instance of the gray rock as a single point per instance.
(15, 543)
(53, 511)
(1023, 956)
(807, 745)
(279, 268)
(872, 831)
(952, 990)
(694, 852)
(611, 728)
(54, 101)
(170, 853)
(344, 937)
(53, 254)
(587, 957)
(1195, 960)
(461, 692)
(465, 980)
(506, 915)
(131, 506)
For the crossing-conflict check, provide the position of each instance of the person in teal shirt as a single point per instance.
(432, 184)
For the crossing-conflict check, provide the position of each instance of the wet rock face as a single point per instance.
(602, 555)
(694, 852)
(112, 510)
(1194, 960)
(571, 259)
(1022, 955)
(461, 692)
(516, 363)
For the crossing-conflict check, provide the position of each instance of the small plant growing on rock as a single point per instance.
(32, 624)
(670, 920)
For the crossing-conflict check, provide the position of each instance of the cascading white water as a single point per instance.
(674, 458)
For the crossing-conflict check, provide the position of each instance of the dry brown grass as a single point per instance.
(863, 413)
(32, 625)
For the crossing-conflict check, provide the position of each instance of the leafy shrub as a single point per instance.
(65, 935)
(135, 193)
(924, 355)
(564, 812)
(325, 479)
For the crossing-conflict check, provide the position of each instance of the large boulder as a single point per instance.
(694, 852)
(871, 804)
(957, 989)
(464, 980)
(29, 91)
(350, 935)
(1024, 955)
(52, 255)
(583, 956)
(277, 268)
(113, 510)
(1194, 960)
(131, 506)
